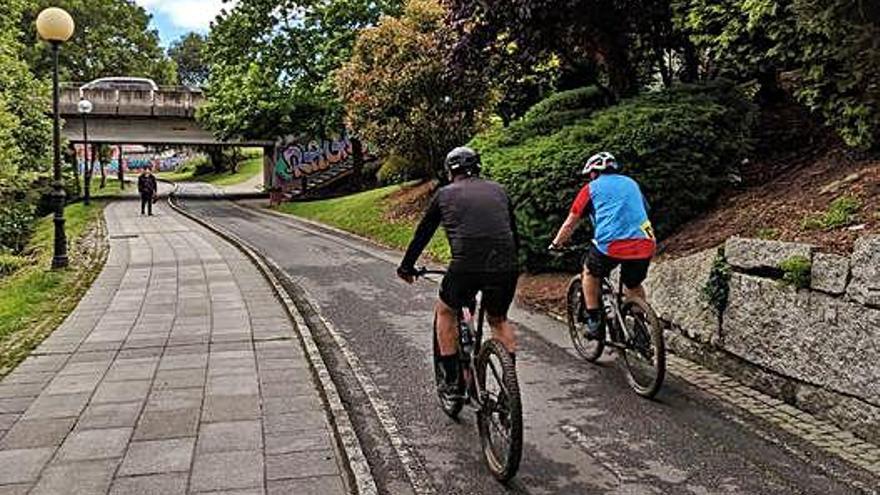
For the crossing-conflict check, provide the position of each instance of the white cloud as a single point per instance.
(188, 14)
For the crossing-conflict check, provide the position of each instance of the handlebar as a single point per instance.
(569, 249)
(422, 271)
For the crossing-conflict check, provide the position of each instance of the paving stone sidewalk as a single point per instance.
(177, 373)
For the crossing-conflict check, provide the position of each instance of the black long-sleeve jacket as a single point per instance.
(477, 216)
(147, 185)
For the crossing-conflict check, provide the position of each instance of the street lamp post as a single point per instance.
(56, 26)
(85, 108)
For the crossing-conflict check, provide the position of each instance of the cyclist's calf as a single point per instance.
(447, 328)
(504, 331)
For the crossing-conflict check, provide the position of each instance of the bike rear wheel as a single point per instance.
(452, 407)
(500, 418)
(644, 354)
(576, 313)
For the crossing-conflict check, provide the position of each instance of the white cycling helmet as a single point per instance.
(599, 163)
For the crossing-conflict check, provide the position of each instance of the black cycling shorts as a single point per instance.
(632, 272)
(459, 289)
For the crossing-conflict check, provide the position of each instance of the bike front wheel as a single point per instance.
(576, 312)
(500, 417)
(644, 353)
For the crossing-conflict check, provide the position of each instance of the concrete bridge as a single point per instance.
(166, 117)
(163, 117)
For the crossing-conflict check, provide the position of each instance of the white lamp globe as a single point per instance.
(55, 25)
(84, 106)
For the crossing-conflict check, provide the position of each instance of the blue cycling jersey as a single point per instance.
(619, 214)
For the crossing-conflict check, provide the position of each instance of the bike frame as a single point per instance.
(617, 300)
(466, 324)
(474, 394)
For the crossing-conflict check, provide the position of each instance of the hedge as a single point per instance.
(681, 145)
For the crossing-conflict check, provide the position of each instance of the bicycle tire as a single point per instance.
(505, 468)
(641, 311)
(451, 407)
(590, 350)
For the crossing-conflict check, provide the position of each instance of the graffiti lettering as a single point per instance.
(295, 161)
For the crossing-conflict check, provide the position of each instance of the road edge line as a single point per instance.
(358, 468)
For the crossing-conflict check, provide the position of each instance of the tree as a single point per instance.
(188, 53)
(528, 32)
(23, 98)
(112, 38)
(397, 92)
(827, 49)
(272, 61)
(24, 133)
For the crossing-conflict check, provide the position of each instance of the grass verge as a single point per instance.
(34, 300)
(365, 214)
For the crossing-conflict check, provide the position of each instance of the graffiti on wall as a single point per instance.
(133, 160)
(294, 161)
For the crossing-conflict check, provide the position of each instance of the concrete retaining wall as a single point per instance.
(817, 348)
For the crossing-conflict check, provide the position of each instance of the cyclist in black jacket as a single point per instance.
(477, 216)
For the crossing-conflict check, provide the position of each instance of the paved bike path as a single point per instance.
(177, 373)
(586, 432)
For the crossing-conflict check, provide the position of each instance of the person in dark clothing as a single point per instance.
(147, 188)
(477, 216)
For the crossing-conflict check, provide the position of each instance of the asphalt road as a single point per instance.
(586, 432)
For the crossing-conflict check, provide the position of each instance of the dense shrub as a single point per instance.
(589, 97)
(681, 145)
(396, 169)
(16, 225)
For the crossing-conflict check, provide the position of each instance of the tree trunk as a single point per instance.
(691, 70)
(357, 156)
(614, 57)
(103, 169)
(120, 172)
(74, 161)
(215, 153)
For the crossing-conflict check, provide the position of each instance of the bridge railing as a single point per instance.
(168, 101)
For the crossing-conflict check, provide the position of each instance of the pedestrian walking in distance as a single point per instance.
(147, 188)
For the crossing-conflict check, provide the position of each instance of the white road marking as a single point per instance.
(415, 471)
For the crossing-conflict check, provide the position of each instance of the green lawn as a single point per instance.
(111, 188)
(35, 299)
(247, 169)
(364, 214)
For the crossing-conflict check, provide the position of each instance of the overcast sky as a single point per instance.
(174, 18)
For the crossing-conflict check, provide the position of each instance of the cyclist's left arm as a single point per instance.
(424, 233)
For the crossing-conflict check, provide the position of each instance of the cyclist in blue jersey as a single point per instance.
(622, 234)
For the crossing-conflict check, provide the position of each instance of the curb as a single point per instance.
(358, 469)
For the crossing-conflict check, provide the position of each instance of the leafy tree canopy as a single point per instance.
(188, 53)
(112, 38)
(529, 32)
(24, 127)
(827, 50)
(397, 92)
(272, 63)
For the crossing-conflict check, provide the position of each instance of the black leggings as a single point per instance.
(147, 201)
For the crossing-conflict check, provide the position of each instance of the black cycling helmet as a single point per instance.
(462, 160)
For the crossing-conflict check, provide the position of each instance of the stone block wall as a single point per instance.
(817, 347)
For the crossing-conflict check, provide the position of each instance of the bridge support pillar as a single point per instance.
(268, 166)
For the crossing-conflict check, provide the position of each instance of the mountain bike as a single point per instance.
(488, 383)
(632, 328)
